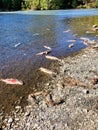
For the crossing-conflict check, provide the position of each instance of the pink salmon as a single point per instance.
(12, 81)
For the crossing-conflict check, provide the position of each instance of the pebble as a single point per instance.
(71, 45)
(16, 119)
(18, 107)
(10, 120)
(8, 125)
(85, 111)
(6, 120)
(28, 124)
(85, 91)
(27, 113)
(49, 100)
(31, 99)
(28, 107)
(35, 126)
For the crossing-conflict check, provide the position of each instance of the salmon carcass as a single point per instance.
(66, 31)
(46, 71)
(44, 52)
(16, 45)
(12, 81)
(52, 57)
(47, 47)
(71, 45)
(71, 40)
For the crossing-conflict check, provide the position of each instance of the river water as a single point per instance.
(23, 34)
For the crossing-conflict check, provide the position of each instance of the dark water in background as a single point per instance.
(33, 30)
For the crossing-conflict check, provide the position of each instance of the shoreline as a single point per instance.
(69, 100)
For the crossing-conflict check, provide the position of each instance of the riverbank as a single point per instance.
(69, 100)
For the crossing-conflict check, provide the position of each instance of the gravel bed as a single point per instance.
(69, 101)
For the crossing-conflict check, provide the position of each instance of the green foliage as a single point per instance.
(10, 4)
(43, 4)
(97, 3)
(16, 4)
(74, 3)
(6, 4)
(26, 4)
(36, 4)
(57, 4)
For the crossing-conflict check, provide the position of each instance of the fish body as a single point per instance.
(47, 47)
(94, 26)
(95, 46)
(16, 45)
(12, 81)
(35, 34)
(71, 40)
(71, 45)
(66, 31)
(90, 32)
(40, 53)
(44, 52)
(47, 71)
(84, 38)
(52, 57)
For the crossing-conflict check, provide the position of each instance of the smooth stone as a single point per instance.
(10, 120)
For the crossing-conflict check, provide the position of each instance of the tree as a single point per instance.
(86, 1)
(97, 3)
(1, 4)
(36, 4)
(43, 4)
(16, 4)
(6, 4)
(26, 4)
(67, 4)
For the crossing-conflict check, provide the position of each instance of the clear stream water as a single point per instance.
(24, 33)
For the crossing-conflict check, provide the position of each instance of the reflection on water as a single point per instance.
(31, 30)
(83, 24)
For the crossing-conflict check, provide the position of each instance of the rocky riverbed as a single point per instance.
(68, 102)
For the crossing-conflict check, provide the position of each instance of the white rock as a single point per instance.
(28, 124)
(35, 126)
(18, 107)
(16, 119)
(27, 113)
(10, 120)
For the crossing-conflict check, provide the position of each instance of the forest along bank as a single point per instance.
(46, 5)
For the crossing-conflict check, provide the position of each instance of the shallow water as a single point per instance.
(24, 33)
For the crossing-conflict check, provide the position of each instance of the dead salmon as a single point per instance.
(47, 71)
(16, 45)
(71, 40)
(47, 47)
(43, 52)
(66, 31)
(52, 57)
(84, 38)
(12, 81)
(71, 45)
